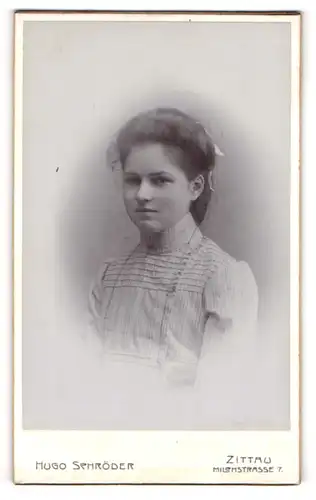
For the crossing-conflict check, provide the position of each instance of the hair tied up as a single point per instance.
(218, 151)
(185, 139)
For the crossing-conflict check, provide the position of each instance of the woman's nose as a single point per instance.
(144, 192)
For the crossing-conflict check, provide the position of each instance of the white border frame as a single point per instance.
(174, 461)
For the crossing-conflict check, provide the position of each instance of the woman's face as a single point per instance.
(157, 193)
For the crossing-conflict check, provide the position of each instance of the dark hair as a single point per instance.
(186, 140)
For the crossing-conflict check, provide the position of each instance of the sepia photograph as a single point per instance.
(156, 247)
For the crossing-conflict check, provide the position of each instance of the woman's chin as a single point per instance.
(150, 226)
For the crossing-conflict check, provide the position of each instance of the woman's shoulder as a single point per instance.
(214, 256)
(222, 264)
(113, 263)
(108, 262)
(120, 257)
(231, 288)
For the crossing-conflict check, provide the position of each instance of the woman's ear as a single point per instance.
(197, 186)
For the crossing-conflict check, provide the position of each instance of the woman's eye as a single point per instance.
(132, 181)
(160, 181)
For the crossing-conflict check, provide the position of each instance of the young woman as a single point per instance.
(162, 303)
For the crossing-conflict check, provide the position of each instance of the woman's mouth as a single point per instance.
(145, 210)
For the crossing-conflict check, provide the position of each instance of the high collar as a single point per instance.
(183, 233)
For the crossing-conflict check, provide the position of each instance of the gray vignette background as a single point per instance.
(81, 81)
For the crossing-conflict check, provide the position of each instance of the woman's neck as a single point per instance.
(170, 239)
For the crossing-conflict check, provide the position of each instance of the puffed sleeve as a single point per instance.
(231, 301)
(226, 377)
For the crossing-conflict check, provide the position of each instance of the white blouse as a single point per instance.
(164, 306)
